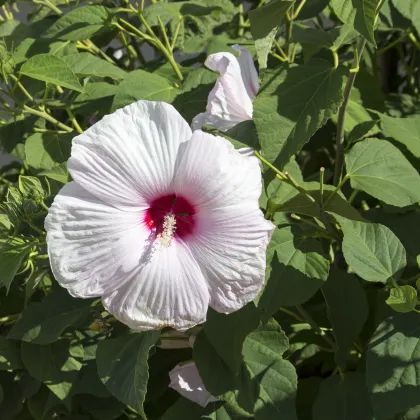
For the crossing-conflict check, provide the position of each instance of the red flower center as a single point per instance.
(181, 209)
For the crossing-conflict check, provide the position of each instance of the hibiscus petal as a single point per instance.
(167, 291)
(212, 174)
(248, 71)
(128, 157)
(92, 245)
(229, 102)
(186, 380)
(231, 237)
(230, 247)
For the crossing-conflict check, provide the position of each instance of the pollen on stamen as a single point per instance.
(168, 230)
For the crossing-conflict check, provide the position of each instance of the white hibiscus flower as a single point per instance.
(159, 222)
(230, 101)
(187, 381)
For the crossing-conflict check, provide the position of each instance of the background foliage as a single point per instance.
(335, 334)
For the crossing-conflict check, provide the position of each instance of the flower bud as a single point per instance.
(7, 62)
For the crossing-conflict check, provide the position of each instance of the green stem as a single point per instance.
(241, 21)
(164, 34)
(266, 162)
(392, 44)
(21, 87)
(167, 53)
(339, 161)
(9, 318)
(292, 314)
(315, 326)
(321, 185)
(298, 9)
(337, 188)
(289, 31)
(47, 117)
(73, 120)
(49, 5)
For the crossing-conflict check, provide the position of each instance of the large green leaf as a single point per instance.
(46, 150)
(372, 251)
(57, 364)
(343, 293)
(9, 355)
(298, 270)
(265, 385)
(11, 258)
(405, 131)
(393, 366)
(80, 23)
(293, 102)
(343, 398)
(358, 13)
(405, 226)
(123, 368)
(140, 84)
(51, 69)
(227, 333)
(86, 64)
(380, 169)
(43, 323)
(265, 21)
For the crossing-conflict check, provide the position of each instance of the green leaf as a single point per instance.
(57, 364)
(293, 103)
(86, 64)
(140, 84)
(183, 409)
(12, 403)
(11, 258)
(51, 69)
(226, 411)
(122, 366)
(298, 270)
(332, 39)
(405, 226)
(58, 173)
(402, 299)
(97, 98)
(358, 13)
(45, 150)
(343, 293)
(265, 21)
(392, 365)
(43, 323)
(242, 135)
(227, 333)
(405, 131)
(361, 130)
(265, 385)
(312, 8)
(343, 399)
(372, 251)
(195, 91)
(380, 169)
(276, 378)
(80, 23)
(9, 355)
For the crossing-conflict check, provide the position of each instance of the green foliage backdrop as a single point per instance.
(335, 333)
